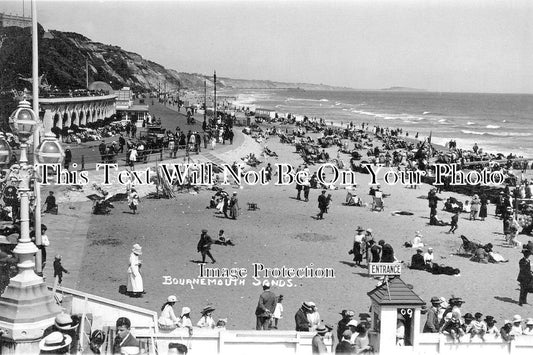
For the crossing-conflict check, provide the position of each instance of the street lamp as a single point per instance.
(26, 306)
(49, 151)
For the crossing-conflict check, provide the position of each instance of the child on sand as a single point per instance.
(277, 315)
(454, 223)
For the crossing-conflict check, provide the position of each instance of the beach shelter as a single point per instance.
(393, 302)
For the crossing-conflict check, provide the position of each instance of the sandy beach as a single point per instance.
(283, 233)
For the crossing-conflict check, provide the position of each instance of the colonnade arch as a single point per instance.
(64, 112)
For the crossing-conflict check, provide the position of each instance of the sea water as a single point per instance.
(496, 122)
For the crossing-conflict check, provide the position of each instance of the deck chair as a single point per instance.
(377, 204)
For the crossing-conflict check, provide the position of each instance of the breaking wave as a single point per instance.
(497, 134)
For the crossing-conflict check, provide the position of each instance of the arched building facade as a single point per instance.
(66, 111)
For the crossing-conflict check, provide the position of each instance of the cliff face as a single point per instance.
(63, 56)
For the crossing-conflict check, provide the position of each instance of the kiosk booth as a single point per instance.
(395, 312)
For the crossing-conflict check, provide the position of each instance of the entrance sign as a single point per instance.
(384, 269)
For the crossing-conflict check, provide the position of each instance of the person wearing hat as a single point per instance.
(185, 319)
(67, 325)
(428, 258)
(417, 260)
(55, 343)
(234, 206)
(452, 326)
(135, 286)
(133, 200)
(516, 329)
(492, 330)
(59, 269)
(468, 323)
(302, 322)
(347, 316)
(432, 320)
(525, 278)
(417, 241)
(50, 202)
(528, 330)
(352, 326)
(167, 319)
(479, 328)
(505, 331)
(358, 246)
(322, 205)
(362, 341)
(265, 308)
(207, 321)
(204, 246)
(313, 316)
(345, 346)
(45, 242)
(317, 344)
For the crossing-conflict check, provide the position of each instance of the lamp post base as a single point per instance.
(26, 310)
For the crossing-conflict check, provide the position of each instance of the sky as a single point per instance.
(444, 45)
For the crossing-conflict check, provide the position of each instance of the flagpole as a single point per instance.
(87, 74)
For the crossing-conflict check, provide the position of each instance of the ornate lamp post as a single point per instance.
(26, 306)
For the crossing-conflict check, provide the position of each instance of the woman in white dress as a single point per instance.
(135, 286)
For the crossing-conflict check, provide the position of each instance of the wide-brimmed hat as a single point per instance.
(54, 341)
(352, 323)
(435, 299)
(185, 310)
(419, 250)
(468, 316)
(137, 249)
(307, 306)
(517, 318)
(64, 321)
(359, 228)
(529, 321)
(207, 309)
(321, 329)
(172, 298)
(456, 300)
(369, 230)
(489, 319)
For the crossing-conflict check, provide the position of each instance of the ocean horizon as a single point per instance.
(498, 123)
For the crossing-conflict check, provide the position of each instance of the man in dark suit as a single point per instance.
(432, 321)
(345, 347)
(302, 323)
(124, 337)
(322, 204)
(204, 246)
(524, 276)
(265, 307)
